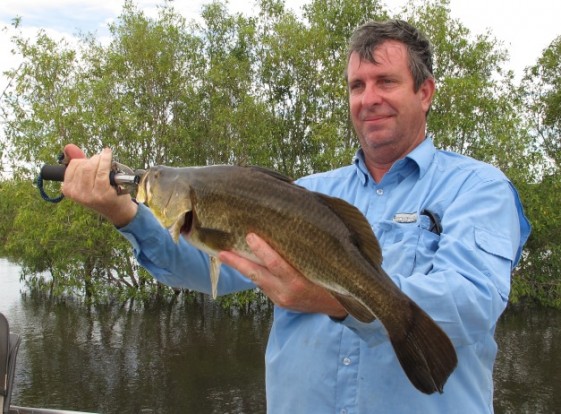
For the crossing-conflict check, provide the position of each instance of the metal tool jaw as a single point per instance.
(125, 179)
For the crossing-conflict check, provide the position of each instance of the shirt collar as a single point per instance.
(422, 156)
(361, 171)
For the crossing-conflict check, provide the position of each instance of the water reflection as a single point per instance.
(191, 356)
(182, 356)
(528, 368)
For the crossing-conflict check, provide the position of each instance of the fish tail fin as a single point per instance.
(424, 351)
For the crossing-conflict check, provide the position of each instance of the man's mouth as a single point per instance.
(375, 118)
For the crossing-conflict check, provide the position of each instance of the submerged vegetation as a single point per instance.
(265, 89)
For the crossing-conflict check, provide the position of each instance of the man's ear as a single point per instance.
(427, 90)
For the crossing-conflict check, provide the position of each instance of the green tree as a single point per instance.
(124, 96)
(140, 95)
(477, 109)
(539, 278)
(233, 121)
(542, 92)
(266, 90)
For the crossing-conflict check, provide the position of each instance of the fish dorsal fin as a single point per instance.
(361, 232)
(272, 173)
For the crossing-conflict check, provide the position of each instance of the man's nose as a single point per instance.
(371, 95)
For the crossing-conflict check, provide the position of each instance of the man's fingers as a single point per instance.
(96, 168)
(71, 151)
(241, 264)
(104, 166)
(266, 261)
(268, 256)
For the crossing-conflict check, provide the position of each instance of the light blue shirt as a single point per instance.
(460, 277)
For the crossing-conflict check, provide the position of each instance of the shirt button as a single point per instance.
(346, 361)
(343, 411)
(380, 191)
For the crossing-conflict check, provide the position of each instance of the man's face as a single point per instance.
(388, 115)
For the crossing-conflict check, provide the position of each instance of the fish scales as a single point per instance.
(326, 239)
(278, 219)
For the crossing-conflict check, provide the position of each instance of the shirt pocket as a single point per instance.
(500, 255)
(494, 243)
(408, 247)
(426, 247)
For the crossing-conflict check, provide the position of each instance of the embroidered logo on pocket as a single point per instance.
(405, 218)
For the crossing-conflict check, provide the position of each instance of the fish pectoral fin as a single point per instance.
(354, 307)
(214, 275)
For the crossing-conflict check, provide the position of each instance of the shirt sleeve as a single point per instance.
(178, 264)
(461, 277)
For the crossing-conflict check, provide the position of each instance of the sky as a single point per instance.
(526, 28)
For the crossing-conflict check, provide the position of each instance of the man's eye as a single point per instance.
(355, 86)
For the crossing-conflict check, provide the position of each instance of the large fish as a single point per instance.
(325, 238)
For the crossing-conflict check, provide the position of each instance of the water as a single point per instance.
(176, 357)
(528, 368)
(193, 357)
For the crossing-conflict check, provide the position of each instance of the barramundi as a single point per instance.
(326, 239)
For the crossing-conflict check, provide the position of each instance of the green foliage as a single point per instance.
(539, 277)
(476, 110)
(541, 89)
(66, 250)
(266, 89)
(245, 301)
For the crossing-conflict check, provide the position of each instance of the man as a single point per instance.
(451, 230)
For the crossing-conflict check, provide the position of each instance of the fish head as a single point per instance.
(166, 192)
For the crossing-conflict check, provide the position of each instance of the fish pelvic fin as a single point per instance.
(362, 235)
(424, 351)
(354, 307)
(214, 275)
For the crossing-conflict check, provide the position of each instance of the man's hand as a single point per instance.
(283, 284)
(86, 181)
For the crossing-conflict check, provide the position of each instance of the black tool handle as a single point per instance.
(53, 172)
(56, 173)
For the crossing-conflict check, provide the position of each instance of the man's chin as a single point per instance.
(376, 140)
